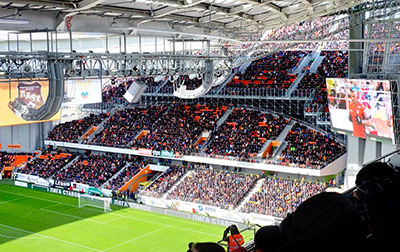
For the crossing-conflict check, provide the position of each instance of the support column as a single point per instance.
(356, 48)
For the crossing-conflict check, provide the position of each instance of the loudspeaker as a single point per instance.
(134, 92)
(53, 101)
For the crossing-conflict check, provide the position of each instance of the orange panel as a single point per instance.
(134, 182)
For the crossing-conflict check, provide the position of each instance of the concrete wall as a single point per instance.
(360, 151)
(29, 136)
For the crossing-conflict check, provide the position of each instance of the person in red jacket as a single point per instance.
(357, 115)
(235, 239)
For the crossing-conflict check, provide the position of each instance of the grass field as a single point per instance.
(38, 221)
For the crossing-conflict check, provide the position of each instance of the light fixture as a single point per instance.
(13, 21)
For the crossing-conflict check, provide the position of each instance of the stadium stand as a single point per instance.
(92, 169)
(166, 181)
(121, 128)
(47, 165)
(334, 65)
(73, 130)
(125, 175)
(279, 196)
(14, 159)
(215, 188)
(179, 129)
(243, 133)
(309, 148)
(266, 74)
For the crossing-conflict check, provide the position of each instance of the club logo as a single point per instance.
(31, 94)
(85, 95)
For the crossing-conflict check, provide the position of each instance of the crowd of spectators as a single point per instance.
(121, 128)
(270, 72)
(7, 159)
(279, 196)
(166, 180)
(48, 164)
(180, 128)
(124, 176)
(91, 169)
(191, 82)
(71, 131)
(334, 65)
(327, 28)
(115, 90)
(308, 148)
(244, 132)
(213, 187)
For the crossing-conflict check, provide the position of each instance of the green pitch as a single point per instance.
(38, 221)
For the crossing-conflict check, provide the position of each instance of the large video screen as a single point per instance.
(361, 108)
(33, 92)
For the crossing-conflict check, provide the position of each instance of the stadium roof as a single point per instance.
(214, 19)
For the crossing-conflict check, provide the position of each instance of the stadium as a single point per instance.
(199, 125)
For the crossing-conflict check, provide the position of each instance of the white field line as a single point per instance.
(4, 202)
(107, 222)
(137, 238)
(153, 222)
(50, 206)
(72, 216)
(111, 213)
(50, 237)
(18, 237)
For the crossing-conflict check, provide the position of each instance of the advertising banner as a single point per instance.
(83, 91)
(168, 154)
(143, 151)
(32, 179)
(32, 92)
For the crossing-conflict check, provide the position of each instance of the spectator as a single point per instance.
(378, 201)
(179, 129)
(244, 132)
(71, 131)
(308, 148)
(121, 128)
(212, 187)
(48, 164)
(269, 239)
(235, 239)
(278, 196)
(125, 176)
(166, 180)
(205, 247)
(92, 169)
(324, 219)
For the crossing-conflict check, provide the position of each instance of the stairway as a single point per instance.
(100, 127)
(294, 85)
(280, 138)
(176, 184)
(224, 117)
(115, 175)
(245, 199)
(285, 131)
(303, 63)
(316, 63)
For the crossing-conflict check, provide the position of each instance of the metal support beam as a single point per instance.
(102, 64)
